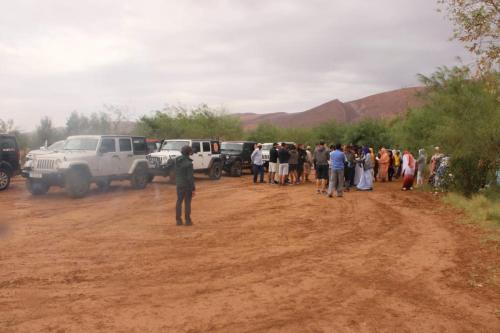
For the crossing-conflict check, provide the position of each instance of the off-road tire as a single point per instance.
(103, 185)
(150, 178)
(139, 178)
(4, 179)
(37, 187)
(215, 171)
(171, 176)
(236, 170)
(77, 183)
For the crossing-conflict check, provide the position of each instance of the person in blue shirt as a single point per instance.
(337, 160)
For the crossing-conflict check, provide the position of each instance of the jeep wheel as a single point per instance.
(77, 183)
(150, 178)
(103, 185)
(171, 176)
(139, 178)
(215, 171)
(236, 170)
(4, 180)
(37, 187)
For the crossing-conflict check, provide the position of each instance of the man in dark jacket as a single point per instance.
(184, 180)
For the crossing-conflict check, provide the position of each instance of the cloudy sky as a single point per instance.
(247, 56)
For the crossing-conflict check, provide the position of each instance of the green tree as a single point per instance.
(476, 25)
(265, 132)
(370, 132)
(462, 115)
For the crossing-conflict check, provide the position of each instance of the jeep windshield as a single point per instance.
(174, 145)
(225, 147)
(81, 144)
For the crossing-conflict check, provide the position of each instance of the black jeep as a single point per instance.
(9, 159)
(236, 156)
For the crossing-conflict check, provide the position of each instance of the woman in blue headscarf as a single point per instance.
(366, 181)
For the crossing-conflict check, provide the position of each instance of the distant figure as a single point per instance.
(308, 163)
(390, 173)
(337, 159)
(184, 180)
(292, 164)
(397, 164)
(321, 157)
(350, 165)
(421, 166)
(408, 170)
(383, 165)
(358, 169)
(301, 163)
(283, 156)
(366, 181)
(273, 163)
(257, 163)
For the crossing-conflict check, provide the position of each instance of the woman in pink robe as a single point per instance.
(408, 171)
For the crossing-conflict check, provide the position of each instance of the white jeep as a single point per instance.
(206, 158)
(88, 159)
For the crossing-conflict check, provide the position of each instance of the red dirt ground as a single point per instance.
(260, 258)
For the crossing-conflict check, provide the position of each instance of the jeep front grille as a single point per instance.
(154, 160)
(44, 164)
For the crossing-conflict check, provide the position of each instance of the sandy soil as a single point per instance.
(259, 259)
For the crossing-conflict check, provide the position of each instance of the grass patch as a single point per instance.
(482, 208)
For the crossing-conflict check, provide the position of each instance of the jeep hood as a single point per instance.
(166, 153)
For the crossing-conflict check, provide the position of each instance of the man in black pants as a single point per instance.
(184, 179)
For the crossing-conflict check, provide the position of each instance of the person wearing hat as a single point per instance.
(257, 163)
(184, 180)
(308, 163)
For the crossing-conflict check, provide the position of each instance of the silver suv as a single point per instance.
(206, 158)
(88, 159)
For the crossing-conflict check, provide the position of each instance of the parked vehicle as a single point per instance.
(53, 148)
(89, 159)
(9, 159)
(206, 158)
(236, 156)
(153, 145)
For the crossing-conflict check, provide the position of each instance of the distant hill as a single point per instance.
(383, 105)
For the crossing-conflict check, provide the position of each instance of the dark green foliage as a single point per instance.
(200, 122)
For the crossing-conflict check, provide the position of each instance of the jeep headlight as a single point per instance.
(165, 159)
(28, 164)
(57, 164)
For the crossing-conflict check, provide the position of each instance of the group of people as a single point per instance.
(338, 168)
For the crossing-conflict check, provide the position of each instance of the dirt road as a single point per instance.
(260, 258)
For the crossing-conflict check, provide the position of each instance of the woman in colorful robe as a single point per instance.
(366, 181)
(408, 170)
(383, 165)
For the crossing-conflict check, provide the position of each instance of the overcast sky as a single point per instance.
(247, 56)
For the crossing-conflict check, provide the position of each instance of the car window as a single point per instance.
(206, 147)
(125, 144)
(108, 145)
(8, 144)
(140, 146)
(196, 147)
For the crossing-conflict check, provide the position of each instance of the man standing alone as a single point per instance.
(337, 160)
(184, 180)
(257, 163)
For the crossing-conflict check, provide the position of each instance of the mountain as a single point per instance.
(383, 105)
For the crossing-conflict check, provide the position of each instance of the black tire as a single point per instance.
(215, 171)
(4, 179)
(236, 170)
(171, 176)
(139, 178)
(77, 183)
(150, 178)
(103, 185)
(37, 187)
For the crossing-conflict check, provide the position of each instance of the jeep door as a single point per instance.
(207, 154)
(197, 155)
(247, 153)
(109, 160)
(126, 155)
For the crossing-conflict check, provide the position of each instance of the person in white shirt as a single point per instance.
(257, 164)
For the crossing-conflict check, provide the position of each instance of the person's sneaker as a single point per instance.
(179, 222)
(189, 223)
(318, 192)
(330, 196)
